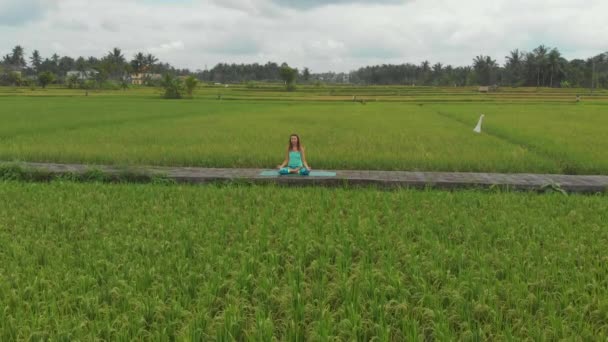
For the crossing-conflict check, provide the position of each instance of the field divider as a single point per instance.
(31, 171)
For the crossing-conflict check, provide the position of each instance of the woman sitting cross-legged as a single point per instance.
(295, 160)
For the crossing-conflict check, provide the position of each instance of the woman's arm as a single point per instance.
(304, 158)
(284, 161)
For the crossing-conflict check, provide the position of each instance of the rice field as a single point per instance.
(151, 262)
(421, 131)
(98, 261)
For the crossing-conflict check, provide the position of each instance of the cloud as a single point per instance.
(239, 46)
(308, 4)
(338, 35)
(177, 45)
(20, 12)
(72, 25)
(110, 26)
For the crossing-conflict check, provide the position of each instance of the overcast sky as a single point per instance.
(337, 35)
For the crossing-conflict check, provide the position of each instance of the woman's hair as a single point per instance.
(297, 146)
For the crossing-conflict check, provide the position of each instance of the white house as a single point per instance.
(82, 75)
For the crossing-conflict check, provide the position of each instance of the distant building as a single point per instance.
(141, 78)
(487, 89)
(82, 75)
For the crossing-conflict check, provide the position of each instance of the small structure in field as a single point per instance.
(487, 89)
(477, 128)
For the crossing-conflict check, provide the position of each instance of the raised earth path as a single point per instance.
(412, 179)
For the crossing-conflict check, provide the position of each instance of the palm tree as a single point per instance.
(513, 65)
(36, 60)
(514, 57)
(541, 61)
(17, 57)
(554, 59)
(139, 62)
(425, 68)
(484, 68)
(115, 56)
(114, 63)
(81, 64)
(150, 60)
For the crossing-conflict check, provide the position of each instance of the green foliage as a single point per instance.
(29, 83)
(18, 172)
(288, 75)
(73, 81)
(485, 70)
(524, 130)
(109, 85)
(191, 83)
(173, 87)
(89, 84)
(87, 261)
(306, 75)
(291, 87)
(45, 78)
(10, 78)
(14, 78)
(94, 175)
(124, 84)
(252, 85)
(101, 77)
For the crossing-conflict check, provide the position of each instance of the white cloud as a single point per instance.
(337, 35)
(167, 47)
(20, 12)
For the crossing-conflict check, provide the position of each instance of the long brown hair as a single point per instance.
(289, 144)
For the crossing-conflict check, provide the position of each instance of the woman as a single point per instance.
(295, 160)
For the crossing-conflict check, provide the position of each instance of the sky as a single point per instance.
(332, 35)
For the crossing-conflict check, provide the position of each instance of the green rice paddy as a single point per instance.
(120, 262)
(115, 262)
(533, 134)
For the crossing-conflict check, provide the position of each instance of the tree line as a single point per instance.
(541, 67)
(113, 68)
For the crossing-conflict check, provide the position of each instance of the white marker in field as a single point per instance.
(477, 128)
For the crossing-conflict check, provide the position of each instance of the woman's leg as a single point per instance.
(304, 171)
(284, 171)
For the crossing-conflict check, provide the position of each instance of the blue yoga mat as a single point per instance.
(312, 174)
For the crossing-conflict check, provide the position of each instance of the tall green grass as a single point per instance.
(569, 134)
(546, 138)
(116, 262)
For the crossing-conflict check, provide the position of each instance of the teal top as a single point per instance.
(295, 159)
